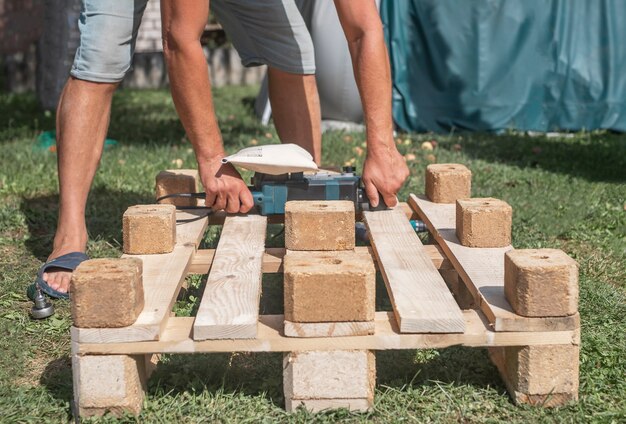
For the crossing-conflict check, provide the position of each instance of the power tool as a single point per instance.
(271, 192)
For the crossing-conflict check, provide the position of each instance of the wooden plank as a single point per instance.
(273, 259)
(329, 329)
(191, 224)
(421, 300)
(218, 217)
(482, 271)
(478, 333)
(163, 276)
(230, 303)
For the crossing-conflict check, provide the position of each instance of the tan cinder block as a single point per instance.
(109, 383)
(107, 293)
(174, 181)
(319, 225)
(326, 375)
(542, 370)
(483, 222)
(329, 286)
(447, 182)
(149, 229)
(541, 282)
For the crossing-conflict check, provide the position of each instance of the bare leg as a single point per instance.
(296, 110)
(82, 122)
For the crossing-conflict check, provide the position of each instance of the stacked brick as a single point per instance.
(329, 292)
(108, 293)
(538, 283)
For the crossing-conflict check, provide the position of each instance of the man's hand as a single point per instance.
(224, 187)
(384, 173)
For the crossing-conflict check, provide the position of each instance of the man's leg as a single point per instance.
(107, 37)
(82, 122)
(273, 32)
(296, 110)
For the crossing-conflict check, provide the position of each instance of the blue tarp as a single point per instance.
(481, 65)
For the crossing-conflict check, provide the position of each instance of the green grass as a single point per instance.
(567, 193)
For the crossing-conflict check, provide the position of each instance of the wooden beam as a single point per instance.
(218, 218)
(421, 300)
(191, 224)
(177, 338)
(163, 276)
(482, 271)
(229, 308)
(273, 259)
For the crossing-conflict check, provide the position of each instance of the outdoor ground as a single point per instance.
(567, 193)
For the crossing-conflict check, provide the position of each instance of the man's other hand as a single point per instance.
(384, 172)
(224, 187)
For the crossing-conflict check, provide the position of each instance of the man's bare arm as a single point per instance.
(183, 22)
(385, 169)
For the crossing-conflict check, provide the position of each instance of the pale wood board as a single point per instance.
(421, 300)
(177, 338)
(163, 276)
(329, 329)
(217, 218)
(191, 224)
(318, 405)
(273, 259)
(229, 308)
(482, 271)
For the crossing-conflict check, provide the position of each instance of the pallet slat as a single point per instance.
(421, 300)
(177, 338)
(482, 271)
(191, 224)
(229, 308)
(163, 276)
(273, 259)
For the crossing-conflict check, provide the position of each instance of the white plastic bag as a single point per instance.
(273, 159)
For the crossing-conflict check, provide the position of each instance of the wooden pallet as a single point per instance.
(424, 315)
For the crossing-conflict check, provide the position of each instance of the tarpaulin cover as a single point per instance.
(507, 64)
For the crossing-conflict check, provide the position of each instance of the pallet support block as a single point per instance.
(329, 286)
(541, 282)
(173, 181)
(107, 293)
(108, 383)
(319, 225)
(447, 182)
(539, 375)
(483, 222)
(321, 380)
(149, 229)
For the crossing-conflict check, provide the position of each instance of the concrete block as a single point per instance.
(319, 225)
(107, 293)
(149, 229)
(541, 282)
(545, 375)
(340, 378)
(448, 182)
(483, 222)
(329, 286)
(174, 181)
(109, 383)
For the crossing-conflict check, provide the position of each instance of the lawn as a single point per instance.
(566, 192)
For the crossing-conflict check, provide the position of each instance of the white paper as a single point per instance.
(273, 159)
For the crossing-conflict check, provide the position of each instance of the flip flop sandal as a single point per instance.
(69, 261)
